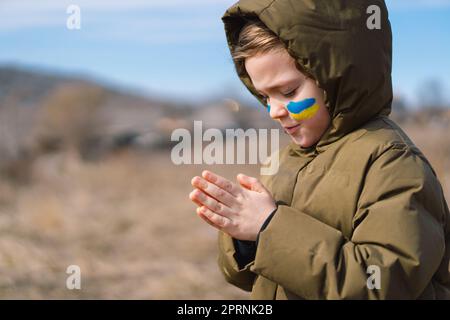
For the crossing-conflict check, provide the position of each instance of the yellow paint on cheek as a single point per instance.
(306, 114)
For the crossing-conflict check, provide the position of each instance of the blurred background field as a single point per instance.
(86, 176)
(87, 179)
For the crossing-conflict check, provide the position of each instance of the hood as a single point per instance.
(331, 40)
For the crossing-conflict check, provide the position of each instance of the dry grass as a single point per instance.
(128, 223)
(434, 142)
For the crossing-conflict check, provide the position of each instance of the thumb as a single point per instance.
(251, 183)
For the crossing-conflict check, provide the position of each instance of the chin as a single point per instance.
(303, 142)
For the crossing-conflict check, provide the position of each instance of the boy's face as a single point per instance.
(296, 101)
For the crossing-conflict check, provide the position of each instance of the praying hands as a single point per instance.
(237, 209)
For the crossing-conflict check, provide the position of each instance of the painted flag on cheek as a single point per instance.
(304, 109)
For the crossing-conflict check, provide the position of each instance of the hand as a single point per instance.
(239, 210)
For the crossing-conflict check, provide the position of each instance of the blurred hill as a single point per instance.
(33, 99)
(27, 86)
(44, 112)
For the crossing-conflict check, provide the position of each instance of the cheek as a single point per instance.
(323, 118)
(317, 125)
(305, 137)
(308, 129)
(309, 93)
(304, 109)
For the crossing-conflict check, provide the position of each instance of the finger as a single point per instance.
(214, 191)
(221, 182)
(251, 183)
(193, 199)
(213, 204)
(204, 218)
(218, 221)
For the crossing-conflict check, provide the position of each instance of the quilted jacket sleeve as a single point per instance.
(241, 277)
(398, 230)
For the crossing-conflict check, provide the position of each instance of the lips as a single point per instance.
(292, 129)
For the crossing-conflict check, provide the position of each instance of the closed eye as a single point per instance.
(290, 94)
(286, 95)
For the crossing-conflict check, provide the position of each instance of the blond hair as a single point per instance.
(256, 38)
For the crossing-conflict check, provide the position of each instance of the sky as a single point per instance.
(177, 48)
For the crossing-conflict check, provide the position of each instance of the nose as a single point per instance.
(277, 109)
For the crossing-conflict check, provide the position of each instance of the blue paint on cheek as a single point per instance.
(268, 108)
(297, 107)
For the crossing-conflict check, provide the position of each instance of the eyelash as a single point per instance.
(287, 95)
(290, 94)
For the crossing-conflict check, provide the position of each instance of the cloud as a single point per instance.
(15, 15)
(157, 30)
(106, 5)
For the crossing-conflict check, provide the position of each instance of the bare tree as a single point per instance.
(69, 118)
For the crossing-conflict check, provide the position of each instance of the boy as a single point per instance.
(355, 210)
